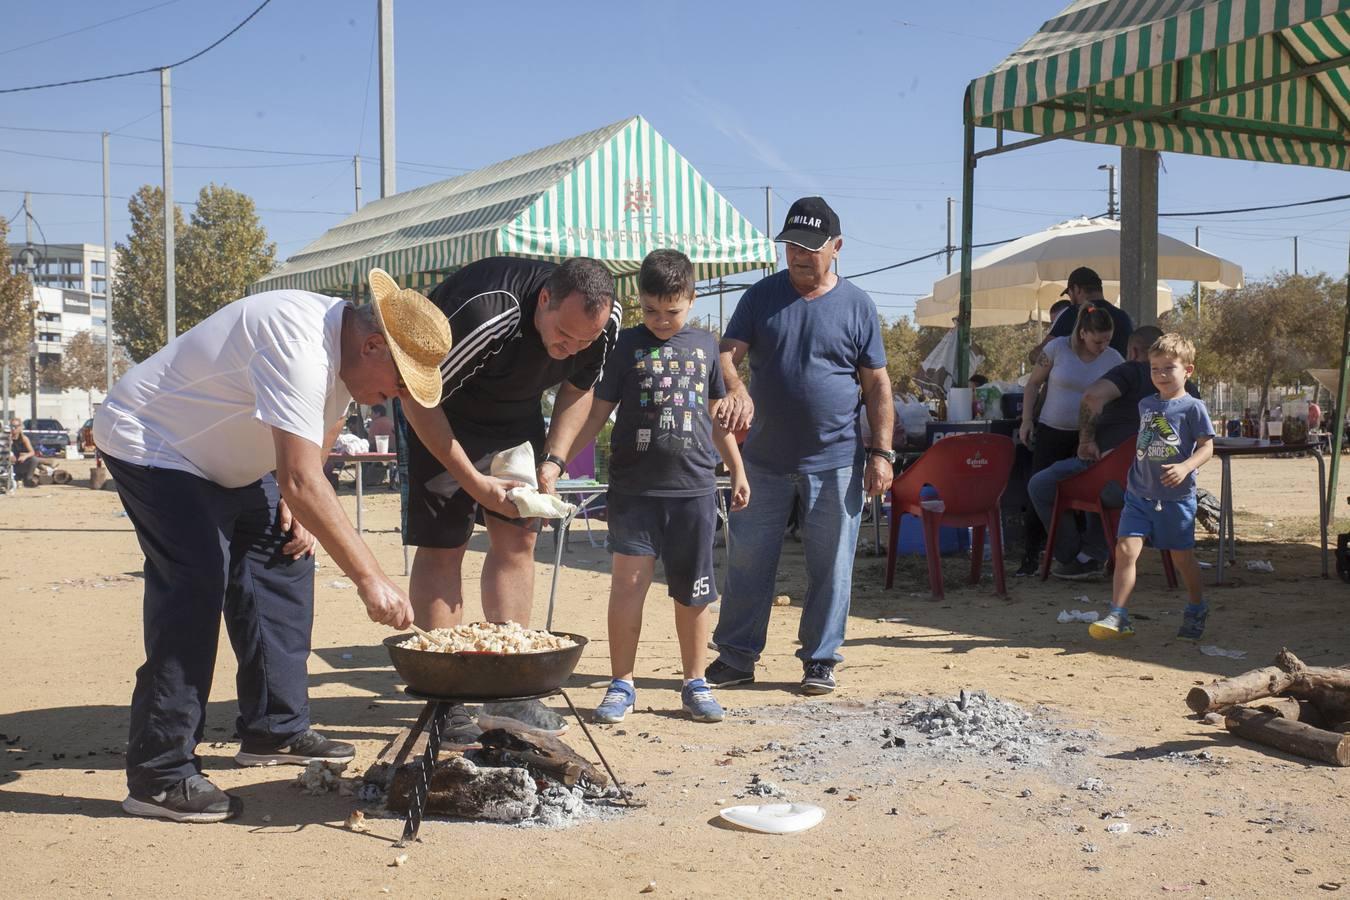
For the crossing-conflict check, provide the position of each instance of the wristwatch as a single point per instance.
(556, 460)
(888, 455)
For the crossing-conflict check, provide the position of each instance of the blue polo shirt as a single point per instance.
(804, 356)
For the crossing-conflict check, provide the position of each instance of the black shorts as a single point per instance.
(437, 512)
(676, 530)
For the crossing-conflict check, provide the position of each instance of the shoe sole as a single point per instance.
(250, 760)
(608, 719)
(703, 718)
(1077, 576)
(1108, 634)
(146, 810)
(1191, 639)
(815, 688)
(732, 682)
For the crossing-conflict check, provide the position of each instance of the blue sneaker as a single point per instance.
(619, 699)
(1193, 622)
(699, 702)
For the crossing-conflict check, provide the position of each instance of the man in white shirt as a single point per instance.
(192, 437)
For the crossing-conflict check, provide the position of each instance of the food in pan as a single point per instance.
(488, 637)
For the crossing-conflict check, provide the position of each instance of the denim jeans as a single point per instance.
(832, 511)
(1069, 542)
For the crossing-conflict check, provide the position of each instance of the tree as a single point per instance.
(1005, 349)
(224, 250)
(84, 365)
(901, 340)
(16, 317)
(1269, 331)
(138, 313)
(219, 253)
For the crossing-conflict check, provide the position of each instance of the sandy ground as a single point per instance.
(1249, 822)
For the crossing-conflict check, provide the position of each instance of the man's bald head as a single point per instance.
(1140, 340)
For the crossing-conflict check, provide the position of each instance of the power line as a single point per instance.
(1247, 209)
(199, 53)
(307, 212)
(88, 27)
(135, 165)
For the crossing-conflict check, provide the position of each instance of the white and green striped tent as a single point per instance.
(613, 194)
(1261, 80)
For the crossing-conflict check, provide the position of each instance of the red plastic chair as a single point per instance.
(970, 472)
(1084, 492)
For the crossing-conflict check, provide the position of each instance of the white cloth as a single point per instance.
(350, 445)
(1069, 379)
(517, 464)
(207, 401)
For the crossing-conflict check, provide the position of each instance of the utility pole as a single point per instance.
(356, 170)
(385, 10)
(30, 263)
(166, 141)
(107, 271)
(950, 248)
(1295, 254)
(1112, 211)
(721, 308)
(768, 224)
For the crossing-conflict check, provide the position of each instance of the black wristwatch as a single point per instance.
(888, 455)
(557, 461)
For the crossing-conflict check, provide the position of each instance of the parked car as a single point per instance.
(85, 440)
(49, 436)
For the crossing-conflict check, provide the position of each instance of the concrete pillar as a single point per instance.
(1139, 234)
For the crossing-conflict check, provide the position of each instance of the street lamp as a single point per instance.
(1110, 170)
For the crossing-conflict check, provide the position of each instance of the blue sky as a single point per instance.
(859, 102)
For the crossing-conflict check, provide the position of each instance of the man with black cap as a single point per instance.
(1085, 286)
(813, 339)
(217, 444)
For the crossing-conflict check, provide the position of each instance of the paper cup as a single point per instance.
(959, 405)
(381, 443)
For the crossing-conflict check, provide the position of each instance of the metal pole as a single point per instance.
(166, 142)
(4, 392)
(107, 272)
(950, 248)
(967, 238)
(1197, 284)
(386, 18)
(1338, 413)
(768, 224)
(1295, 254)
(721, 307)
(1111, 209)
(32, 322)
(356, 170)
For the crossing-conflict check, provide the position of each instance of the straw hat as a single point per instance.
(417, 333)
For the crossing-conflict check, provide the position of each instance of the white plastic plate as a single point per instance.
(775, 818)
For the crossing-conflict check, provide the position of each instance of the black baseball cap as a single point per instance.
(809, 224)
(1083, 277)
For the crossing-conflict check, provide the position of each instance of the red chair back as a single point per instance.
(1114, 466)
(970, 472)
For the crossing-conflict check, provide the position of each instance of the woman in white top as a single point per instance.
(1065, 367)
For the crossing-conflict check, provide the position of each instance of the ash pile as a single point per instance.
(512, 775)
(888, 736)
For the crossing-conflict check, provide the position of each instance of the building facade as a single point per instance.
(61, 314)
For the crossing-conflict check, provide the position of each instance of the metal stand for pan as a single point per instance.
(432, 721)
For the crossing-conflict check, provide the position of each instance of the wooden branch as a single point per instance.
(1289, 736)
(1321, 684)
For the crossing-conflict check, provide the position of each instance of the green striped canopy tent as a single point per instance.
(1261, 80)
(613, 194)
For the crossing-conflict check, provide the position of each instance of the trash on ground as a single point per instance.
(1259, 565)
(1212, 650)
(320, 777)
(1118, 827)
(1073, 615)
(775, 818)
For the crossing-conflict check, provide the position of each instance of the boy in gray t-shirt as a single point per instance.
(1176, 437)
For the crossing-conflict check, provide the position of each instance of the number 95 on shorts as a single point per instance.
(676, 530)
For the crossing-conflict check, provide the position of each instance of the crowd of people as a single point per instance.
(218, 443)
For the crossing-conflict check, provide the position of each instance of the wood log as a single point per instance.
(1289, 736)
(1284, 707)
(461, 789)
(1321, 684)
(508, 743)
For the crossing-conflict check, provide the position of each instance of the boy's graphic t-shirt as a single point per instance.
(661, 445)
(1168, 432)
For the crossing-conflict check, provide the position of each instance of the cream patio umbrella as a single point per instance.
(1013, 277)
(1015, 305)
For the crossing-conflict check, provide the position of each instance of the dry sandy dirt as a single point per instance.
(913, 821)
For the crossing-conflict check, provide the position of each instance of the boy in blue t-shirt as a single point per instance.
(1176, 437)
(663, 377)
